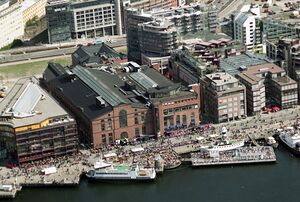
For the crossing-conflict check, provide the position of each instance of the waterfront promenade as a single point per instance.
(69, 169)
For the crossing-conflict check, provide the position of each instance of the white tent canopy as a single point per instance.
(137, 149)
(6, 187)
(49, 170)
(109, 155)
(213, 135)
(199, 138)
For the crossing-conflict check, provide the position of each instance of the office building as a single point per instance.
(71, 19)
(33, 125)
(285, 52)
(223, 98)
(11, 22)
(268, 85)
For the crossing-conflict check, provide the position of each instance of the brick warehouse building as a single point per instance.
(122, 101)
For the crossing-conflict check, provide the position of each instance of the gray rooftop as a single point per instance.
(27, 103)
(234, 64)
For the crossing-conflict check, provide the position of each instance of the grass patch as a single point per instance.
(15, 44)
(29, 69)
(122, 50)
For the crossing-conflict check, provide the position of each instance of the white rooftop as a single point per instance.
(221, 78)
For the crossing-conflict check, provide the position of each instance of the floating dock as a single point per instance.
(243, 155)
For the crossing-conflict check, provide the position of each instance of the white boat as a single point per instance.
(272, 142)
(101, 164)
(224, 145)
(291, 141)
(122, 173)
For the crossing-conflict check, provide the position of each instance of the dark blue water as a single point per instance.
(260, 182)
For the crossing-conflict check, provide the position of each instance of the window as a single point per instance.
(172, 122)
(110, 138)
(102, 125)
(178, 121)
(137, 132)
(123, 118)
(103, 138)
(165, 122)
(124, 135)
(144, 130)
(192, 118)
(109, 124)
(136, 118)
(184, 120)
(143, 117)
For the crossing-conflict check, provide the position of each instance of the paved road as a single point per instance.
(33, 53)
(232, 6)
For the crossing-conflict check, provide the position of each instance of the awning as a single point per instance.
(50, 170)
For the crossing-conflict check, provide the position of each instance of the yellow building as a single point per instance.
(31, 8)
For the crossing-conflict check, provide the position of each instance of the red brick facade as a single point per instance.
(139, 121)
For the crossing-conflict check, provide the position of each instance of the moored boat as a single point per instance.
(291, 141)
(122, 173)
(272, 142)
(224, 145)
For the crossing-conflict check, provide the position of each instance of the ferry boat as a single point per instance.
(122, 173)
(224, 145)
(291, 141)
(272, 142)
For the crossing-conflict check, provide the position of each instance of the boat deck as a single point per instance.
(241, 155)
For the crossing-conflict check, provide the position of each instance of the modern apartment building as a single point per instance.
(273, 29)
(186, 19)
(11, 22)
(157, 39)
(247, 28)
(268, 85)
(115, 102)
(223, 98)
(146, 5)
(33, 126)
(71, 19)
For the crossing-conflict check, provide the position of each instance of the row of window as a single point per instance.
(122, 120)
(169, 121)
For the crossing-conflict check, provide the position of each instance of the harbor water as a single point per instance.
(256, 182)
